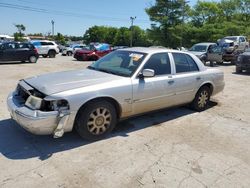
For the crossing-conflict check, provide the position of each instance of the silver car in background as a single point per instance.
(122, 84)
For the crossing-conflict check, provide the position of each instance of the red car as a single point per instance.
(92, 53)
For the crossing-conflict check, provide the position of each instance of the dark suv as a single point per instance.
(14, 51)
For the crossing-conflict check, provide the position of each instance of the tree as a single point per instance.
(60, 39)
(167, 17)
(19, 35)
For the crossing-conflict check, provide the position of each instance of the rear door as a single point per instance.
(1, 52)
(22, 51)
(242, 43)
(187, 77)
(214, 53)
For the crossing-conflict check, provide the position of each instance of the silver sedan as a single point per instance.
(122, 84)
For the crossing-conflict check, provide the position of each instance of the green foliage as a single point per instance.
(60, 39)
(116, 36)
(207, 21)
(18, 36)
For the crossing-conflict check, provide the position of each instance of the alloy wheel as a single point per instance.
(99, 121)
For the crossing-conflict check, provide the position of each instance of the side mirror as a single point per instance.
(146, 73)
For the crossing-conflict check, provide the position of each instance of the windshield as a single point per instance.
(199, 48)
(231, 38)
(122, 63)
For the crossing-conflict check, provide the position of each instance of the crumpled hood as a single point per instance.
(62, 81)
(198, 54)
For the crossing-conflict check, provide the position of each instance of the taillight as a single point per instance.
(36, 51)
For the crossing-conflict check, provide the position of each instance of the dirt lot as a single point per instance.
(172, 148)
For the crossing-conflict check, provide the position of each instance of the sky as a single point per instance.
(71, 17)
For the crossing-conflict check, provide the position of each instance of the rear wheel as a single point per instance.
(69, 53)
(238, 70)
(52, 54)
(32, 59)
(96, 120)
(202, 98)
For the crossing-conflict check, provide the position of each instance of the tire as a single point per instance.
(45, 56)
(219, 63)
(69, 53)
(32, 59)
(93, 58)
(52, 54)
(90, 121)
(201, 100)
(238, 70)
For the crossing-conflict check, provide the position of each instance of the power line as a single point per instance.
(64, 13)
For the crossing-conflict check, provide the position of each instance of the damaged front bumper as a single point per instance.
(36, 121)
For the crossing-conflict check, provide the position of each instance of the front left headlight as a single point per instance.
(33, 102)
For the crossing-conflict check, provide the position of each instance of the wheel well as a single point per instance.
(52, 50)
(109, 99)
(210, 86)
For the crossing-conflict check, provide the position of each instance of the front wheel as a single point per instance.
(32, 59)
(96, 120)
(202, 98)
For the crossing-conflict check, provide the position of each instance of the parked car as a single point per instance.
(69, 51)
(243, 61)
(124, 83)
(13, 51)
(93, 52)
(207, 51)
(232, 46)
(46, 48)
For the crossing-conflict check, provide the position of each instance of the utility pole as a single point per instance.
(53, 27)
(132, 30)
(183, 19)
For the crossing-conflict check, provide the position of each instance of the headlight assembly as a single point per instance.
(51, 104)
(34, 102)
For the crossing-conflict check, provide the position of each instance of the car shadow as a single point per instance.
(14, 62)
(246, 73)
(16, 143)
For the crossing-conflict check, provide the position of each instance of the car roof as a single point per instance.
(149, 50)
(42, 41)
(205, 43)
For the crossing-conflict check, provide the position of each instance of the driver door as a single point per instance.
(153, 93)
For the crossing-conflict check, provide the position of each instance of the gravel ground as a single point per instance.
(172, 148)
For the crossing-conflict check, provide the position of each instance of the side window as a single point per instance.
(242, 39)
(44, 43)
(184, 63)
(160, 63)
(50, 43)
(37, 44)
(193, 66)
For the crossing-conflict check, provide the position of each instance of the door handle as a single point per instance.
(170, 82)
(198, 78)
